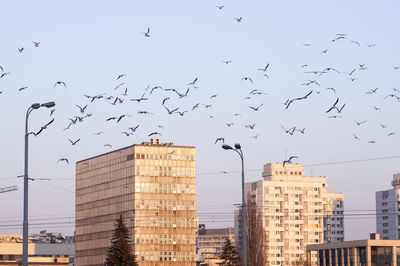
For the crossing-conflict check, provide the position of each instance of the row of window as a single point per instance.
(165, 256)
(166, 156)
(165, 188)
(165, 171)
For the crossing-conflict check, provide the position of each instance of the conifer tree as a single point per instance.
(120, 252)
(229, 254)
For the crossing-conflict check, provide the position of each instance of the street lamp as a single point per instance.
(239, 151)
(25, 223)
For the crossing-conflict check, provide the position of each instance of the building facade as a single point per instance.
(211, 242)
(43, 249)
(370, 252)
(294, 209)
(388, 210)
(153, 186)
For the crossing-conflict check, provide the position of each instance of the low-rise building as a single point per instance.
(211, 242)
(369, 252)
(41, 250)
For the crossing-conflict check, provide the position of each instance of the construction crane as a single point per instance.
(8, 189)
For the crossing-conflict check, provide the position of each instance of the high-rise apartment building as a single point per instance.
(295, 211)
(388, 210)
(153, 186)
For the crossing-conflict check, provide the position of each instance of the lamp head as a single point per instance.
(226, 147)
(48, 104)
(35, 106)
(237, 146)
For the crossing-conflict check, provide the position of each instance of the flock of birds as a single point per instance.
(170, 96)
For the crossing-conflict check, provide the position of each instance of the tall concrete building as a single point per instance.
(295, 211)
(153, 186)
(388, 210)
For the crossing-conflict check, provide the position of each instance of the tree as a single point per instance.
(255, 234)
(120, 252)
(229, 254)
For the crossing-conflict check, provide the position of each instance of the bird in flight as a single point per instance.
(250, 126)
(265, 68)
(171, 112)
(21, 50)
(107, 145)
(63, 160)
(98, 133)
(333, 106)
(147, 33)
(164, 100)
(193, 82)
(289, 131)
(140, 99)
(355, 136)
(181, 113)
(59, 83)
(119, 85)
(332, 89)
(126, 133)
(360, 123)
(154, 134)
(81, 109)
(371, 91)
(219, 139)
(288, 102)
(36, 43)
(255, 108)
(229, 124)
(391, 134)
(144, 113)
(4, 74)
(120, 76)
(289, 161)
(226, 62)
(23, 88)
(220, 7)
(248, 78)
(73, 143)
(239, 19)
(301, 130)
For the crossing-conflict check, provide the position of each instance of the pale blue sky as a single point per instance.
(88, 44)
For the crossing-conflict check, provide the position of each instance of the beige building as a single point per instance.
(370, 252)
(294, 209)
(41, 253)
(211, 242)
(153, 186)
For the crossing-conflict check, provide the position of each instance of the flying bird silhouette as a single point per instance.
(255, 108)
(289, 161)
(59, 83)
(73, 143)
(63, 160)
(219, 139)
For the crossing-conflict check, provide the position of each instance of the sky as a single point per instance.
(88, 44)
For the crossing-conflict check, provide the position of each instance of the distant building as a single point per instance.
(371, 252)
(153, 186)
(212, 241)
(41, 250)
(388, 210)
(296, 210)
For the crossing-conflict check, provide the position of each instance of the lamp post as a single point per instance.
(25, 223)
(239, 151)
